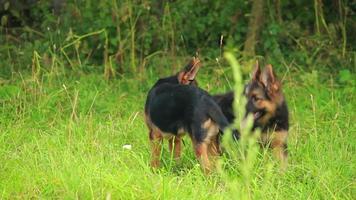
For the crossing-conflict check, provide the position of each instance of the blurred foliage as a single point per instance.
(122, 35)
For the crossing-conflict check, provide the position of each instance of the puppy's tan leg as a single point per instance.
(175, 146)
(214, 147)
(156, 146)
(279, 147)
(214, 150)
(201, 152)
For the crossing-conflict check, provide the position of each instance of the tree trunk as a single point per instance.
(277, 7)
(254, 27)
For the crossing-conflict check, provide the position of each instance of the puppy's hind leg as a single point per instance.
(201, 153)
(156, 146)
(175, 146)
(214, 150)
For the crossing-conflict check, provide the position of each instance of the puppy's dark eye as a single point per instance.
(255, 98)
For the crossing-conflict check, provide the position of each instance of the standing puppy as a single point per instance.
(266, 103)
(175, 107)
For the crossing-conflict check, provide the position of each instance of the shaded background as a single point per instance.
(125, 36)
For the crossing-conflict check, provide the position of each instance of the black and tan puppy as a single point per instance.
(174, 107)
(266, 103)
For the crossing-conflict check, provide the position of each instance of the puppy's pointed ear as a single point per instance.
(256, 75)
(269, 79)
(188, 74)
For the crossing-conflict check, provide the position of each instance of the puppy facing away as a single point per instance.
(175, 107)
(266, 103)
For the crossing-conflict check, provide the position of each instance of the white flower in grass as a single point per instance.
(127, 146)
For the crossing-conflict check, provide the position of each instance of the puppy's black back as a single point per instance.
(172, 106)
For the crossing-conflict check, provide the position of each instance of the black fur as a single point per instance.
(225, 101)
(280, 121)
(173, 106)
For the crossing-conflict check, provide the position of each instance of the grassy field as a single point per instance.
(62, 136)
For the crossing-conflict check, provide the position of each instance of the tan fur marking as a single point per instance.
(211, 143)
(271, 109)
(274, 138)
(201, 152)
(175, 147)
(156, 143)
(214, 148)
(277, 141)
(182, 79)
(207, 124)
(211, 128)
(214, 151)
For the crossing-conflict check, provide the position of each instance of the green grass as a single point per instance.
(62, 137)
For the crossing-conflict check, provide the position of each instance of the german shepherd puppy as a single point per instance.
(175, 106)
(266, 103)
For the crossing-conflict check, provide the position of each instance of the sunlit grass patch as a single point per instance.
(47, 153)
